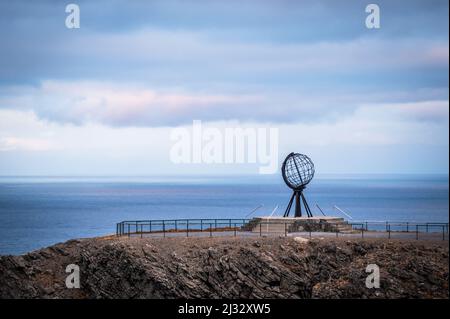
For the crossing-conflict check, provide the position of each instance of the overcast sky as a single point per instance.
(103, 99)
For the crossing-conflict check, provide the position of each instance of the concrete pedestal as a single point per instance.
(298, 224)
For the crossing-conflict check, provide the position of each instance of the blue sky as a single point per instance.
(103, 99)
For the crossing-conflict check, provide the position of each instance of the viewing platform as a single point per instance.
(323, 226)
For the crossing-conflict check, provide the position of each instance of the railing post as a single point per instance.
(201, 225)
(235, 230)
(141, 230)
(128, 230)
(176, 225)
(407, 227)
(362, 231)
(210, 230)
(417, 232)
(150, 226)
(260, 229)
(389, 232)
(187, 228)
(164, 228)
(443, 232)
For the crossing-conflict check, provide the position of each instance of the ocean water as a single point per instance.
(39, 211)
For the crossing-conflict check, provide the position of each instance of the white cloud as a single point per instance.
(419, 123)
(24, 144)
(429, 111)
(122, 105)
(100, 149)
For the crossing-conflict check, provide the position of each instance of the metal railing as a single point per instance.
(401, 227)
(187, 226)
(250, 227)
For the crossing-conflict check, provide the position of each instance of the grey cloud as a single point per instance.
(277, 61)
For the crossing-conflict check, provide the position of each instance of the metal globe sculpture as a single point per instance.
(298, 171)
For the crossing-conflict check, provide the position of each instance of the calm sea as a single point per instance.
(40, 211)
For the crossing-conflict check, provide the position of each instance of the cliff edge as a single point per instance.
(229, 268)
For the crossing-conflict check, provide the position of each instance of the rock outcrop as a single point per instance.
(229, 268)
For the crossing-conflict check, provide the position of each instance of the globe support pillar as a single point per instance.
(299, 201)
(298, 207)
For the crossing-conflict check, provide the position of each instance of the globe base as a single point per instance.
(299, 200)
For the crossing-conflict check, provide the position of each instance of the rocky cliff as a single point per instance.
(229, 268)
